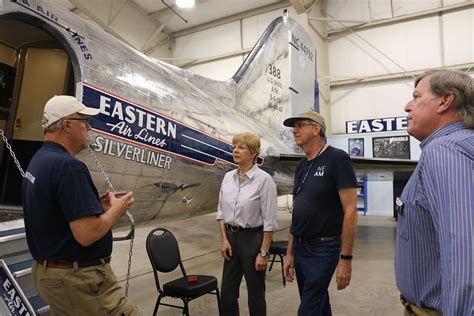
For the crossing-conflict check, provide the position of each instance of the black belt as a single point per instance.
(315, 240)
(236, 229)
(409, 306)
(66, 264)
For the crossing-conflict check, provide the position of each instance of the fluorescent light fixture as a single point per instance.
(185, 3)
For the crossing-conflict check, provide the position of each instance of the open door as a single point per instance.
(33, 68)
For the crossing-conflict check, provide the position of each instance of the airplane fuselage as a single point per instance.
(162, 132)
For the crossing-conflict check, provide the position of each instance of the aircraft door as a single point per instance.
(41, 73)
(8, 61)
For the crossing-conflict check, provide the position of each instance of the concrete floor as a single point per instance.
(372, 290)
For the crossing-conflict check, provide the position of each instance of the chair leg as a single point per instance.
(186, 308)
(271, 264)
(218, 301)
(158, 300)
(282, 272)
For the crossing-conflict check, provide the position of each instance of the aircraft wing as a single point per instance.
(375, 169)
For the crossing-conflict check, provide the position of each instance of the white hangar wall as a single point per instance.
(443, 39)
(221, 40)
(372, 69)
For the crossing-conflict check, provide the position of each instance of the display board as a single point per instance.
(356, 147)
(396, 147)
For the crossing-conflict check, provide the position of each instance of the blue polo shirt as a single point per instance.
(57, 190)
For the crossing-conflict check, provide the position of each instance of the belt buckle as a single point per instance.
(404, 301)
(234, 229)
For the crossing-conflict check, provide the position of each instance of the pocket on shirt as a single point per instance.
(254, 198)
(403, 226)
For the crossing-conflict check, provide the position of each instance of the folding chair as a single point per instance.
(163, 251)
(278, 248)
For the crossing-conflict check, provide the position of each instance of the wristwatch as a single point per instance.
(346, 257)
(263, 253)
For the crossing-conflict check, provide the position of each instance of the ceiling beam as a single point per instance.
(337, 20)
(94, 18)
(214, 58)
(143, 12)
(166, 11)
(232, 18)
(413, 16)
(394, 76)
(303, 6)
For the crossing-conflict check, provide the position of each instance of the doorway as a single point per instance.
(33, 67)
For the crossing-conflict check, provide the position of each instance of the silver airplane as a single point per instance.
(162, 132)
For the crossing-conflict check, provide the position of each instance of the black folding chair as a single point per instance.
(163, 251)
(278, 248)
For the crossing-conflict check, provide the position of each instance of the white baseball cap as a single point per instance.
(61, 106)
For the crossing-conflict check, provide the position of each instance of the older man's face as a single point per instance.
(303, 131)
(79, 127)
(422, 110)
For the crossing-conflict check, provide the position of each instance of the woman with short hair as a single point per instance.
(247, 215)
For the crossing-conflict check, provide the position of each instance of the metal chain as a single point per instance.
(130, 253)
(131, 235)
(12, 153)
(132, 231)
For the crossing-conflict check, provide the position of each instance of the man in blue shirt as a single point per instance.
(434, 251)
(68, 226)
(324, 216)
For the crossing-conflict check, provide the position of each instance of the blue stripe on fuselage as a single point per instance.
(139, 124)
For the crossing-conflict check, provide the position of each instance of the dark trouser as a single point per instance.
(314, 266)
(245, 246)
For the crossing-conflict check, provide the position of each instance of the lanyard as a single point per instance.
(307, 171)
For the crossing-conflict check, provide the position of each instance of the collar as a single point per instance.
(321, 152)
(54, 146)
(250, 173)
(445, 130)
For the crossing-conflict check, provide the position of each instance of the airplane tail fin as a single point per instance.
(278, 77)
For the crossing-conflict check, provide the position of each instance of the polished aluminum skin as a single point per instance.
(163, 132)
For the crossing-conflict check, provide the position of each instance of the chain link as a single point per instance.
(111, 187)
(12, 153)
(130, 253)
(132, 229)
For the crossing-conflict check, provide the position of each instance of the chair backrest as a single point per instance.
(163, 250)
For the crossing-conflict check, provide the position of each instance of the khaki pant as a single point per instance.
(82, 291)
(413, 310)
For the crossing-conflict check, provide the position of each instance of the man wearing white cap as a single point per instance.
(68, 226)
(324, 216)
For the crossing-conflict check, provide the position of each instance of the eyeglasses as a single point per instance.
(301, 125)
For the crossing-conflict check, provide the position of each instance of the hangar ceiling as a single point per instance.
(148, 24)
(151, 26)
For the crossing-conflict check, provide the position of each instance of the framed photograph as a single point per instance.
(396, 147)
(356, 147)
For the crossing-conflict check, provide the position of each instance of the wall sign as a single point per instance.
(377, 125)
(356, 147)
(397, 147)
